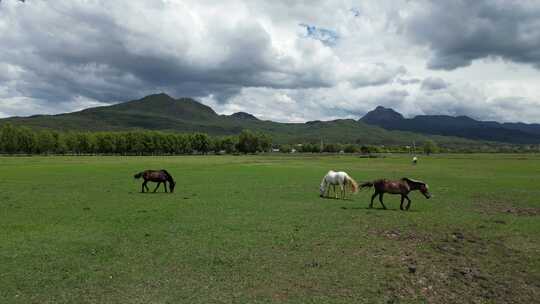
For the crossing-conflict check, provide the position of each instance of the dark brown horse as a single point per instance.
(158, 176)
(402, 186)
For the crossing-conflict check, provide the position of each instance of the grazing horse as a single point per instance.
(402, 186)
(158, 176)
(337, 178)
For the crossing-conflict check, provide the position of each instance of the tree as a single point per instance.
(27, 140)
(45, 142)
(105, 142)
(227, 144)
(285, 148)
(332, 148)
(183, 144)
(265, 142)
(9, 142)
(248, 142)
(430, 147)
(350, 149)
(200, 142)
(85, 142)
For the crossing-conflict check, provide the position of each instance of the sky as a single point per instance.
(288, 61)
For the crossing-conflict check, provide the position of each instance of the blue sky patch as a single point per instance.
(326, 36)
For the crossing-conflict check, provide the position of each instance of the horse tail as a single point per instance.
(138, 175)
(366, 185)
(354, 184)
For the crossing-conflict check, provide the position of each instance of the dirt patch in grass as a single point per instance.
(497, 207)
(457, 268)
(401, 235)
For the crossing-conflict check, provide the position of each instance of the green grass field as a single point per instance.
(247, 229)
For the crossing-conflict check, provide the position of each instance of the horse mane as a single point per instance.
(413, 181)
(169, 176)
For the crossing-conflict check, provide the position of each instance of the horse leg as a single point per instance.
(401, 205)
(334, 188)
(146, 186)
(380, 200)
(165, 185)
(408, 204)
(342, 192)
(372, 198)
(159, 183)
(143, 186)
(326, 192)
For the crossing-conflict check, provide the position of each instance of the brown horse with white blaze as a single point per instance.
(157, 176)
(403, 187)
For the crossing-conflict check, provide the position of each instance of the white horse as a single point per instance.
(337, 178)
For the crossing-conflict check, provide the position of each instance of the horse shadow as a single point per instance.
(337, 198)
(374, 209)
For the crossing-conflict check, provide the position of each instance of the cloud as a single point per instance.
(300, 105)
(433, 83)
(459, 32)
(251, 56)
(407, 81)
(117, 51)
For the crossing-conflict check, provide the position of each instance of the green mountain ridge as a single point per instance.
(460, 126)
(162, 112)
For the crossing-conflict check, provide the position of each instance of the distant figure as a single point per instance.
(158, 176)
(402, 186)
(337, 178)
(414, 160)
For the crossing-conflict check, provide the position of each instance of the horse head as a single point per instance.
(171, 186)
(419, 185)
(424, 190)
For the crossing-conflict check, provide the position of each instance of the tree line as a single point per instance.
(23, 140)
(429, 147)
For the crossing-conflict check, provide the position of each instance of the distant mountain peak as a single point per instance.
(166, 106)
(381, 113)
(161, 96)
(243, 115)
(460, 126)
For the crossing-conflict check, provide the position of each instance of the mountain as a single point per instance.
(243, 115)
(162, 112)
(460, 126)
(382, 115)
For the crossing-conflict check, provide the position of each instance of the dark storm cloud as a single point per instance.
(76, 50)
(459, 32)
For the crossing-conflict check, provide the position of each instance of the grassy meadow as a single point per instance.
(252, 229)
